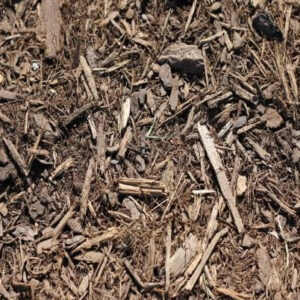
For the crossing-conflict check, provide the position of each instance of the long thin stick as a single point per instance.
(223, 181)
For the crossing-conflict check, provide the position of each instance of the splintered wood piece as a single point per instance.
(125, 141)
(206, 255)
(111, 233)
(51, 19)
(218, 167)
(259, 150)
(141, 187)
(89, 77)
(290, 70)
(281, 70)
(168, 257)
(77, 113)
(4, 118)
(125, 113)
(16, 156)
(133, 274)
(101, 149)
(281, 204)
(92, 127)
(210, 230)
(86, 189)
(233, 294)
(67, 164)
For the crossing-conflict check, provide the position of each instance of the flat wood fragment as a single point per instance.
(52, 21)
(206, 255)
(183, 255)
(86, 188)
(223, 181)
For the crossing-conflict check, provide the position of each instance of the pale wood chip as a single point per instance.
(86, 189)
(223, 181)
(51, 19)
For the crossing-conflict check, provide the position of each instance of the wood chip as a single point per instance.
(206, 255)
(211, 151)
(51, 19)
(7, 95)
(124, 143)
(89, 77)
(124, 115)
(20, 162)
(86, 189)
(233, 294)
(67, 164)
(141, 187)
(90, 256)
(111, 233)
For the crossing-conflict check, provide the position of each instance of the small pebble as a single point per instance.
(35, 66)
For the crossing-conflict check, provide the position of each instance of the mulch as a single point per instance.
(149, 149)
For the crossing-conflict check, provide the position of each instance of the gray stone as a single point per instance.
(183, 58)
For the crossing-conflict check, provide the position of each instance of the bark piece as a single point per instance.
(183, 58)
(51, 18)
